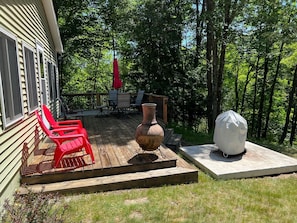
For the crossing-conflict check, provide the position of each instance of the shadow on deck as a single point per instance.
(119, 162)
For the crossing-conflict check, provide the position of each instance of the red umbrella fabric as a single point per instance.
(117, 83)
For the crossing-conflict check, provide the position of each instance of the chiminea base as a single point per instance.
(142, 158)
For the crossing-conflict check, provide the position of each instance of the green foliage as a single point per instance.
(89, 77)
(162, 45)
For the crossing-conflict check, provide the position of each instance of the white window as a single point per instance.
(41, 72)
(30, 78)
(52, 80)
(57, 93)
(10, 90)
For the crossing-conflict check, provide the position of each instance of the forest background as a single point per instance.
(207, 56)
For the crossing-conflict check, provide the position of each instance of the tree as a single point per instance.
(289, 108)
(219, 19)
(206, 56)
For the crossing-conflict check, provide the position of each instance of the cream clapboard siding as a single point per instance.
(26, 19)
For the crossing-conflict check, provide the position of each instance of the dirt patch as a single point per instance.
(287, 175)
(136, 201)
(136, 215)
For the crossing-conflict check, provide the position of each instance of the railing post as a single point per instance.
(165, 103)
(98, 99)
(162, 102)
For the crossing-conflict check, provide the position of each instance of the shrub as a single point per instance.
(33, 208)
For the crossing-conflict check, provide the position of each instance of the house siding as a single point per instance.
(25, 19)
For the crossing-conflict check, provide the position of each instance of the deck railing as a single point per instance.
(92, 100)
(161, 101)
(86, 101)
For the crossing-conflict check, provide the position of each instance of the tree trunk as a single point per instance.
(215, 80)
(215, 62)
(272, 91)
(236, 90)
(262, 95)
(230, 10)
(209, 54)
(290, 105)
(199, 29)
(227, 21)
(255, 97)
(293, 130)
(247, 81)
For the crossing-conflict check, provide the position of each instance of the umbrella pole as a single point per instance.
(113, 46)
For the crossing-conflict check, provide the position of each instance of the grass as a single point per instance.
(267, 199)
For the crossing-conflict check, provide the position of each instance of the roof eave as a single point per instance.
(52, 21)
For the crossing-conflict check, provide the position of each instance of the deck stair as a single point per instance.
(172, 140)
(168, 171)
(145, 179)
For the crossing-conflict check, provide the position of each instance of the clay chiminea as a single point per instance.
(149, 134)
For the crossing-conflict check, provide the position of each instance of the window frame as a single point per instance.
(31, 49)
(43, 82)
(56, 80)
(52, 80)
(17, 117)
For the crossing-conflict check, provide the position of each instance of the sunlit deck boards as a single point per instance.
(116, 153)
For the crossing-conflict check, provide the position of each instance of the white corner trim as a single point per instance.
(52, 21)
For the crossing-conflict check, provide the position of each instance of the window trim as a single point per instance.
(52, 80)
(43, 98)
(25, 45)
(49, 79)
(10, 123)
(56, 79)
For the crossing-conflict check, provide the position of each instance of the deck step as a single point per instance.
(174, 141)
(151, 178)
(91, 173)
(167, 135)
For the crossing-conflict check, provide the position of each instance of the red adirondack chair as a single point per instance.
(74, 126)
(58, 124)
(66, 143)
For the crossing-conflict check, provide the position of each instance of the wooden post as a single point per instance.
(25, 156)
(36, 139)
(161, 101)
(98, 101)
(165, 102)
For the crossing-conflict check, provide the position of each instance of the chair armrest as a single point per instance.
(70, 122)
(69, 136)
(66, 129)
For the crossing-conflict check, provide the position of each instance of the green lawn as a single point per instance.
(267, 199)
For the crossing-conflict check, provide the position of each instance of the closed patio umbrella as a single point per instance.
(117, 83)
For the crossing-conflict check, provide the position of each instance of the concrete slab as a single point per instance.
(256, 161)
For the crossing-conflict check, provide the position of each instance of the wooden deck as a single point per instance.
(119, 162)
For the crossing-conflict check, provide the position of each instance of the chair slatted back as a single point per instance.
(139, 97)
(113, 97)
(124, 100)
